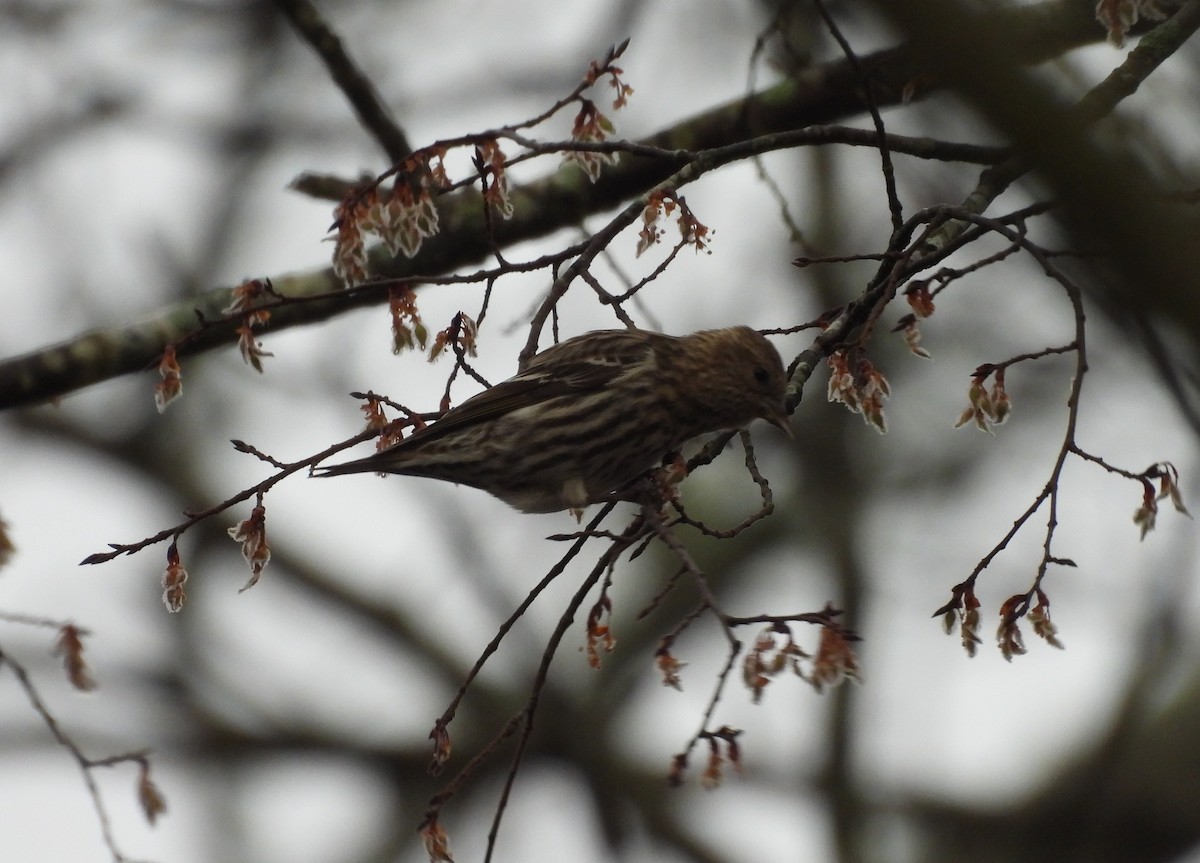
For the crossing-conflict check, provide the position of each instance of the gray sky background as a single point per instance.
(105, 221)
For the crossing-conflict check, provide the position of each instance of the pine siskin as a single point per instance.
(589, 416)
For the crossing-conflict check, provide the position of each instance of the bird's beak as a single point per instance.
(779, 419)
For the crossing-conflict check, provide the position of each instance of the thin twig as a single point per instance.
(355, 86)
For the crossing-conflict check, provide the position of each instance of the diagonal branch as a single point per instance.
(355, 86)
(817, 95)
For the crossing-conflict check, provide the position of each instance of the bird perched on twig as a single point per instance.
(586, 418)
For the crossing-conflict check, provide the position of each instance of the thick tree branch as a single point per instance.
(817, 95)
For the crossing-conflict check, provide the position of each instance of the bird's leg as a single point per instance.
(656, 488)
(666, 479)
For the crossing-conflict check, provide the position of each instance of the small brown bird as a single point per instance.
(587, 417)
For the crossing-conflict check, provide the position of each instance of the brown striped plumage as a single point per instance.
(587, 417)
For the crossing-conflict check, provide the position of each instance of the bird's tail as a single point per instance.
(370, 464)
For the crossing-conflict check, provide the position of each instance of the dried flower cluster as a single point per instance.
(860, 387)
(1146, 515)
(1118, 16)
(252, 534)
(963, 610)
(173, 581)
(660, 205)
(920, 300)
(669, 666)
(459, 336)
(70, 647)
(403, 217)
(987, 408)
(246, 301)
(170, 385)
(149, 797)
(599, 631)
(715, 768)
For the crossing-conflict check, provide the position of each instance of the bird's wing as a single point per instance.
(552, 373)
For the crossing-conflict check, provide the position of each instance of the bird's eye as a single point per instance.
(761, 375)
